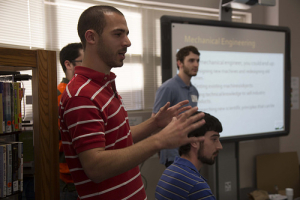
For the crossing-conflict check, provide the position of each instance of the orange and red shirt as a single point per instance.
(64, 172)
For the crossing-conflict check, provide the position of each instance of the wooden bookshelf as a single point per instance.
(45, 114)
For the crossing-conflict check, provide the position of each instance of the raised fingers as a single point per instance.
(180, 104)
(165, 107)
(185, 108)
(188, 113)
(192, 122)
(194, 125)
(196, 139)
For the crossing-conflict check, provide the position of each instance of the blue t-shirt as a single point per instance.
(182, 180)
(174, 91)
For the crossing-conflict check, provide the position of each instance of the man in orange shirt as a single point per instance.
(70, 56)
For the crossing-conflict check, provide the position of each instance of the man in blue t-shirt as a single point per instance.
(182, 179)
(177, 89)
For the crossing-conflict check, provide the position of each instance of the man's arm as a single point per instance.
(158, 121)
(100, 164)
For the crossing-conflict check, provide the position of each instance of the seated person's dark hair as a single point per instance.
(211, 124)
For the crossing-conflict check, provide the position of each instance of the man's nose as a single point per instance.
(220, 146)
(127, 42)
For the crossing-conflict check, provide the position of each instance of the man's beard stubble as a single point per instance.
(203, 159)
(186, 71)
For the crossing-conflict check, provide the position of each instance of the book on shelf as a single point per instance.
(7, 106)
(12, 106)
(11, 95)
(20, 97)
(17, 164)
(2, 170)
(8, 168)
(15, 167)
(20, 169)
(15, 102)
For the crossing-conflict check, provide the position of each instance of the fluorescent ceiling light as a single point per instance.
(236, 5)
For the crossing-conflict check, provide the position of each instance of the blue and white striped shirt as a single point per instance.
(181, 180)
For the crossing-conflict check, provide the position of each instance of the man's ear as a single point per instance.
(179, 64)
(90, 36)
(195, 144)
(68, 64)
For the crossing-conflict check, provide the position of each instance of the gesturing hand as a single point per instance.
(165, 114)
(176, 133)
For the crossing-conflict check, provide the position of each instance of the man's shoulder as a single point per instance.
(83, 83)
(170, 83)
(184, 170)
(193, 87)
(78, 87)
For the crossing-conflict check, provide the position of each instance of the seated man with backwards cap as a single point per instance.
(182, 179)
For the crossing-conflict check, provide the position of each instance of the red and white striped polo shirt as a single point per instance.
(92, 115)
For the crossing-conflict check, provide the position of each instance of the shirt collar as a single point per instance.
(187, 163)
(181, 83)
(96, 76)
